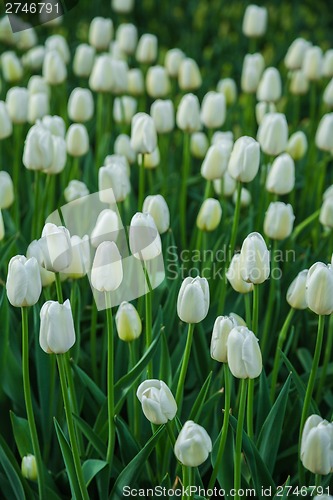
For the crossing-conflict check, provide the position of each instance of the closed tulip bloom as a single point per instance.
(107, 268)
(124, 108)
(56, 247)
(328, 64)
(38, 106)
(235, 278)
(6, 127)
(80, 105)
(113, 176)
(172, 61)
(218, 346)
(29, 467)
(59, 156)
(254, 259)
(100, 33)
(38, 85)
(158, 403)
(106, 228)
(2, 227)
(188, 114)
(244, 355)
(216, 161)
(122, 6)
(245, 199)
(54, 68)
(262, 108)
(295, 54)
(77, 140)
(17, 104)
(328, 94)
(55, 124)
(163, 114)
(83, 60)
(227, 138)
(33, 58)
(193, 445)
(319, 288)
(6, 190)
(225, 186)
(313, 63)
(23, 284)
(26, 39)
(12, 70)
(270, 86)
(152, 160)
(328, 193)
(122, 146)
(209, 215)
(189, 76)
(281, 176)
(297, 145)
(299, 84)
(157, 207)
(253, 66)
(75, 190)
(144, 239)
(193, 300)
(143, 134)
(157, 82)
(146, 51)
(199, 145)
(227, 87)
(279, 220)
(273, 133)
(244, 160)
(116, 52)
(35, 250)
(38, 149)
(58, 43)
(296, 293)
(128, 322)
(254, 21)
(101, 77)
(326, 213)
(213, 110)
(317, 445)
(127, 37)
(135, 82)
(56, 334)
(80, 263)
(324, 134)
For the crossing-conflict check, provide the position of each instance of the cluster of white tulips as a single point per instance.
(118, 166)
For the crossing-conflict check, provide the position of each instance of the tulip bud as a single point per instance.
(135, 82)
(253, 67)
(11, 66)
(216, 161)
(17, 104)
(313, 63)
(199, 145)
(38, 106)
(172, 61)
(269, 88)
(328, 64)
(213, 110)
(296, 293)
(188, 114)
(262, 108)
(2, 227)
(144, 239)
(163, 114)
(326, 213)
(80, 263)
(221, 329)
(146, 51)
(193, 300)
(235, 278)
(122, 147)
(38, 85)
(193, 445)
(273, 133)
(122, 6)
(209, 215)
(328, 193)
(102, 74)
(58, 43)
(113, 176)
(107, 268)
(33, 58)
(6, 190)
(316, 445)
(243, 352)
(83, 60)
(254, 259)
(189, 77)
(143, 134)
(35, 250)
(128, 322)
(56, 334)
(245, 198)
(54, 68)
(75, 190)
(297, 145)
(58, 156)
(55, 125)
(158, 403)
(106, 228)
(225, 186)
(124, 108)
(281, 176)
(328, 94)
(157, 207)
(279, 220)
(319, 288)
(6, 127)
(23, 281)
(77, 140)
(254, 21)
(157, 82)
(227, 138)
(299, 84)
(127, 38)
(295, 54)
(56, 247)
(80, 105)
(29, 467)
(324, 134)
(38, 149)
(227, 87)
(244, 160)
(100, 33)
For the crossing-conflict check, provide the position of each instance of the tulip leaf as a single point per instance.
(270, 435)
(200, 400)
(21, 434)
(68, 460)
(128, 446)
(165, 372)
(91, 468)
(87, 382)
(305, 359)
(12, 475)
(132, 471)
(285, 492)
(225, 472)
(264, 404)
(91, 435)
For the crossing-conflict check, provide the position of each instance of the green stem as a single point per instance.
(300, 227)
(249, 414)
(16, 171)
(71, 430)
(317, 480)
(58, 288)
(36, 211)
(271, 297)
(110, 379)
(239, 438)
(170, 432)
(182, 375)
(236, 219)
(149, 320)
(183, 188)
(255, 312)
(93, 350)
(141, 181)
(136, 412)
(208, 189)
(247, 308)
(99, 129)
(327, 358)
(28, 402)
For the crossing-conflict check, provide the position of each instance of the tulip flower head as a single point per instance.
(23, 284)
(221, 329)
(128, 322)
(319, 288)
(144, 239)
(317, 445)
(158, 403)
(56, 334)
(107, 268)
(296, 293)
(243, 353)
(254, 259)
(193, 445)
(193, 300)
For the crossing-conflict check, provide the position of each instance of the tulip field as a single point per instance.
(166, 239)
